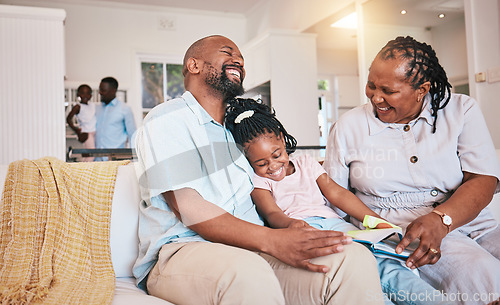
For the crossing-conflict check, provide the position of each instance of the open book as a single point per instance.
(383, 242)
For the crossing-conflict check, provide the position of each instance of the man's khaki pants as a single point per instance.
(200, 273)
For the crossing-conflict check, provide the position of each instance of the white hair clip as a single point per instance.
(243, 115)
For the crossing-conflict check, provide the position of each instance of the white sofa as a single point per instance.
(124, 240)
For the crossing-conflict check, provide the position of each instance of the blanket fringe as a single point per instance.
(22, 295)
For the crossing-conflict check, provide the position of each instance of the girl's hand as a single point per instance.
(383, 226)
(83, 136)
(431, 231)
(297, 223)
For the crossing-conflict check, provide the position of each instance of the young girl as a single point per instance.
(291, 192)
(85, 115)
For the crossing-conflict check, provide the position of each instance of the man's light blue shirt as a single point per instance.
(115, 124)
(181, 146)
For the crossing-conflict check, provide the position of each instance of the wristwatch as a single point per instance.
(447, 221)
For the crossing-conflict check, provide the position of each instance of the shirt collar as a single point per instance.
(375, 125)
(200, 112)
(112, 103)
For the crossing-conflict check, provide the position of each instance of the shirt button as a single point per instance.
(406, 128)
(414, 159)
(434, 193)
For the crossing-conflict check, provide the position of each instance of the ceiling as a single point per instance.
(225, 6)
(421, 13)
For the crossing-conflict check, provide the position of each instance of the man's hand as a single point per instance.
(296, 246)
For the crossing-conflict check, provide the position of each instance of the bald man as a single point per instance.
(201, 239)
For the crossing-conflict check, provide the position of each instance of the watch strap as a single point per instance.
(443, 215)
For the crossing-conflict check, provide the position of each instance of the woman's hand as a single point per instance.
(431, 231)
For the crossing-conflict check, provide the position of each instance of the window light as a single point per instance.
(348, 22)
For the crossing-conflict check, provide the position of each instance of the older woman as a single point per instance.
(423, 158)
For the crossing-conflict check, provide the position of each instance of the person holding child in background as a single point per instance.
(115, 120)
(422, 158)
(290, 192)
(84, 111)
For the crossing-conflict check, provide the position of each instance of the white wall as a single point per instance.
(338, 62)
(450, 44)
(288, 61)
(31, 83)
(482, 19)
(294, 85)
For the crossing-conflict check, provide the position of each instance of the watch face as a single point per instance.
(447, 220)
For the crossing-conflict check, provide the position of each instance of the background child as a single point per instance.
(290, 192)
(85, 115)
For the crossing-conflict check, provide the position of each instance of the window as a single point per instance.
(323, 84)
(160, 82)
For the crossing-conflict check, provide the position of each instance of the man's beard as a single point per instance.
(223, 84)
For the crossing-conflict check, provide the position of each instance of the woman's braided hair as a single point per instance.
(263, 120)
(423, 65)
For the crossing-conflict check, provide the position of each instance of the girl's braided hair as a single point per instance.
(261, 119)
(423, 65)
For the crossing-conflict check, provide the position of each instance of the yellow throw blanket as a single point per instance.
(54, 242)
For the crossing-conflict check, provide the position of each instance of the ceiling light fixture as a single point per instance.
(403, 12)
(441, 15)
(348, 22)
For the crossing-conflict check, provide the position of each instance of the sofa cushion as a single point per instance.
(124, 241)
(3, 174)
(126, 293)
